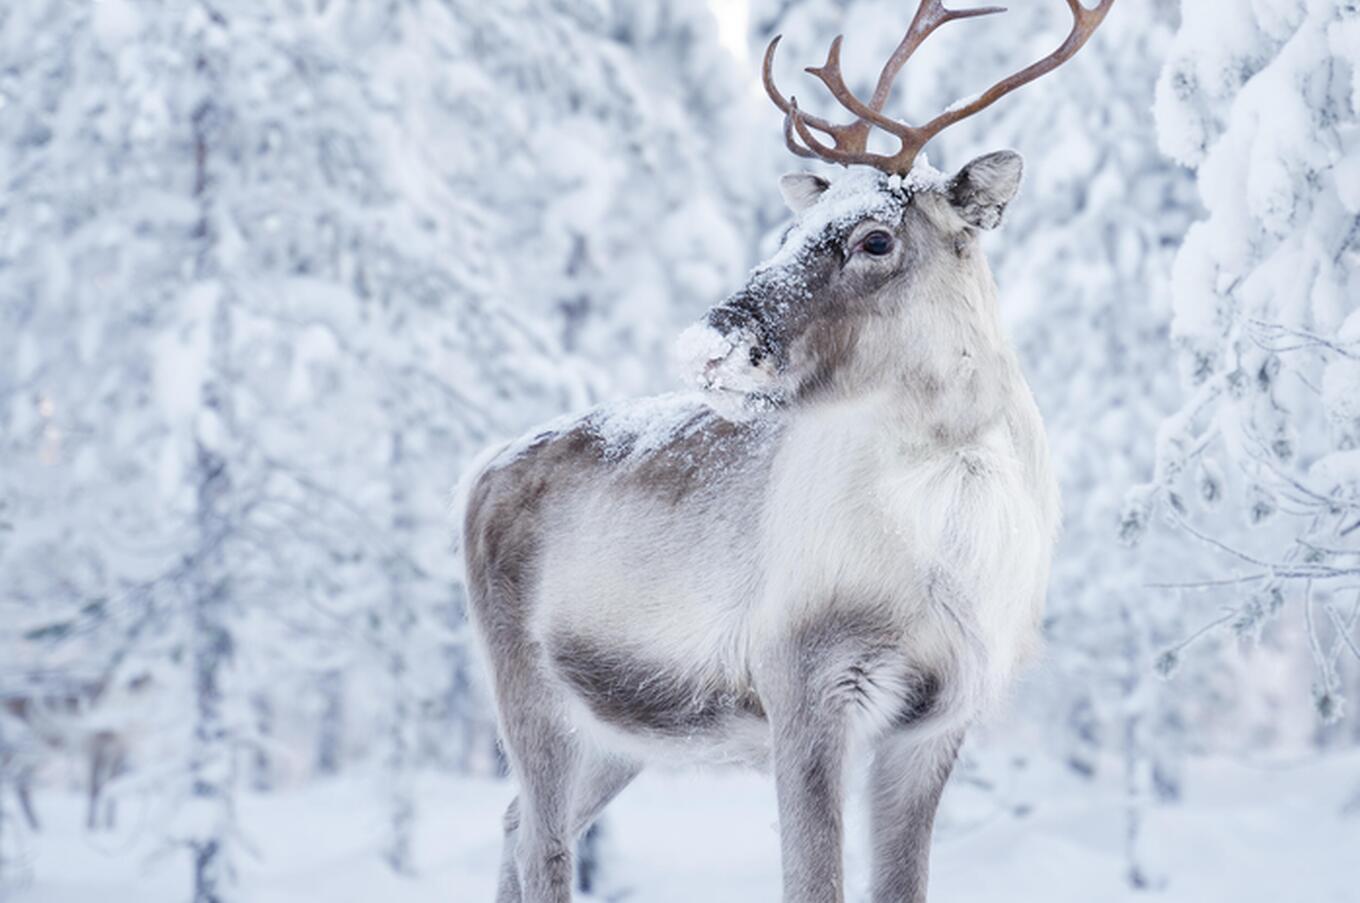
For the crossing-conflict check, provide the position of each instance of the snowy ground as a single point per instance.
(1245, 834)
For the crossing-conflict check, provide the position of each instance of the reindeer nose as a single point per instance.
(737, 312)
(726, 319)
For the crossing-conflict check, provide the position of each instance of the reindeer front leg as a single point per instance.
(801, 689)
(808, 764)
(906, 781)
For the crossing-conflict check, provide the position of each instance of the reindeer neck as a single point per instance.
(937, 372)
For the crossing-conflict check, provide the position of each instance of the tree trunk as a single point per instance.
(331, 728)
(261, 763)
(211, 647)
(588, 856)
(210, 765)
(397, 635)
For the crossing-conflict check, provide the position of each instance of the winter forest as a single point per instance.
(273, 273)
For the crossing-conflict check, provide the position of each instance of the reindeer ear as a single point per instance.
(802, 189)
(983, 188)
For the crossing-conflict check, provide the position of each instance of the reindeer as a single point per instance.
(838, 547)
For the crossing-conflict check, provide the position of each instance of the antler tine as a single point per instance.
(912, 138)
(829, 73)
(1085, 21)
(789, 139)
(845, 157)
(930, 15)
(852, 137)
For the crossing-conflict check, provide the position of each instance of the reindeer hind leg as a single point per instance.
(544, 753)
(602, 777)
(501, 545)
(546, 758)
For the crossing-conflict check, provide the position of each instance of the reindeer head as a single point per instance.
(865, 251)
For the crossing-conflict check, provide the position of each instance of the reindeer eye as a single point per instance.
(877, 243)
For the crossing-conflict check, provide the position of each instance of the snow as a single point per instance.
(854, 195)
(732, 16)
(627, 428)
(963, 102)
(115, 21)
(720, 366)
(180, 358)
(696, 349)
(640, 426)
(1341, 389)
(1337, 472)
(321, 842)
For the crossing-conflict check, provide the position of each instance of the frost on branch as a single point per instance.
(1264, 104)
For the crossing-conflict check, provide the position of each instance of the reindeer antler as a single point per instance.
(850, 142)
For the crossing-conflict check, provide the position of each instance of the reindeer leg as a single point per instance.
(906, 780)
(546, 759)
(507, 885)
(808, 763)
(549, 760)
(808, 726)
(602, 778)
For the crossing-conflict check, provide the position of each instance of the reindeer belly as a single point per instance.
(642, 617)
(658, 709)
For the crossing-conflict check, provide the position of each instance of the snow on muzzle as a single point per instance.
(729, 350)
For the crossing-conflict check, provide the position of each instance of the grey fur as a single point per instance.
(801, 189)
(983, 188)
(599, 783)
(625, 690)
(627, 591)
(826, 670)
(902, 812)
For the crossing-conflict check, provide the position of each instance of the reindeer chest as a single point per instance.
(950, 541)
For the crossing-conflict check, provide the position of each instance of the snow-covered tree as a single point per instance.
(597, 142)
(270, 274)
(15, 805)
(1259, 463)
